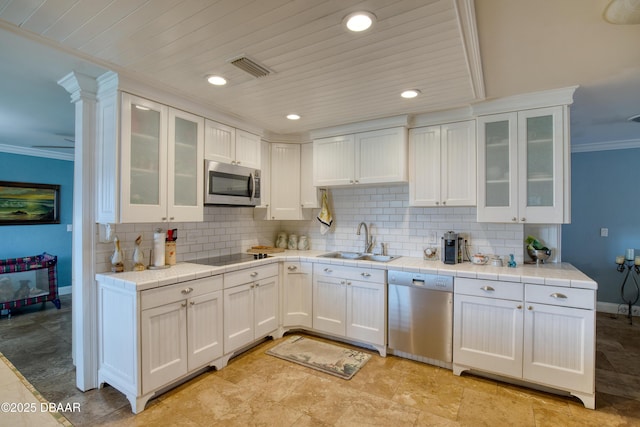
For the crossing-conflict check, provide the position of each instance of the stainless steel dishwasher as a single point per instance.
(420, 309)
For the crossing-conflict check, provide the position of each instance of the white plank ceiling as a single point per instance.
(322, 72)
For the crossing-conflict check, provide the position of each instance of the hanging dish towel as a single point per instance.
(324, 216)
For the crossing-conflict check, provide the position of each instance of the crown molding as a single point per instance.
(24, 151)
(466, 13)
(605, 146)
(378, 124)
(526, 101)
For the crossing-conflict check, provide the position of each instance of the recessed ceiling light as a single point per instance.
(293, 117)
(217, 80)
(359, 21)
(411, 93)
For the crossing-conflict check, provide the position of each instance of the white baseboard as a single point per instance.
(64, 290)
(613, 308)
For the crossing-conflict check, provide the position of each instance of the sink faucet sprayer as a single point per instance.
(368, 244)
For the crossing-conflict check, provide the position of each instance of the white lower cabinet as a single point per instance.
(250, 305)
(350, 302)
(297, 298)
(535, 333)
(180, 331)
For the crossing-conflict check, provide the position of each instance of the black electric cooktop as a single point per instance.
(228, 259)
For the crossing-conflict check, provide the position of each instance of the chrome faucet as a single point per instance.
(368, 244)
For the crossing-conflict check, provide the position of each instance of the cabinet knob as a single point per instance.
(164, 218)
(530, 308)
(523, 219)
(357, 182)
(487, 288)
(342, 282)
(350, 181)
(184, 304)
(365, 274)
(519, 307)
(328, 270)
(252, 286)
(444, 203)
(172, 218)
(257, 284)
(349, 283)
(187, 290)
(437, 203)
(233, 162)
(254, 274)
(192, 303)
(292, 268)
(237, 163)
(514, 219)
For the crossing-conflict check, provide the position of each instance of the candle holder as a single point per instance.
(629, 265)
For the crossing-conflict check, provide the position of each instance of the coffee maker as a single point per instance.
(452, 248)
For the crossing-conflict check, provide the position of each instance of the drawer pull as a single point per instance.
(254, 274)
(292, 268)
(187, 290)
(328, 270)
(557, 295)
(365, 274)
(487, 288)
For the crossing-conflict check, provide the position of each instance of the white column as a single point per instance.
(84, 308)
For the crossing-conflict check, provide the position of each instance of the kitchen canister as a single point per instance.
(303, 243)
(293, 242)
(281, 240)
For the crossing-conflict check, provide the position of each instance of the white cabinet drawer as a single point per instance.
(557, 295)
(489, 288)
(180, 291)
(352, 273)
(248, 275)
(297, 267)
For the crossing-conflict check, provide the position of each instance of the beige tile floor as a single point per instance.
(261, 390)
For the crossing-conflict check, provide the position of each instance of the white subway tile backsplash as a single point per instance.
(385, 210)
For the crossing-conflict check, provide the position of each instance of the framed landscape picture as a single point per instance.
(25, 203)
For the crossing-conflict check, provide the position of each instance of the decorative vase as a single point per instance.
(117, 259)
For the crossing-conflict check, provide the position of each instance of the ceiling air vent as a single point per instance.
(251, 67)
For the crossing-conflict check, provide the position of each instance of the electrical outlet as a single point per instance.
(433, 238)
(604, 232)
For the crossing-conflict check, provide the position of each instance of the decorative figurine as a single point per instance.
(512, 262)
(117, 264)
(138, 256)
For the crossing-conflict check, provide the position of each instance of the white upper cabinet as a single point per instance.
(442, 165)
(308, 192)
(285, 182)
(161, 163)
(230, 145)
(375, 157)
(523, 165)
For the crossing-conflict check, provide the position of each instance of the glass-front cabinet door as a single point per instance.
(143, 160)
(497, 168)
(521, 167)
(540, 133)
(185, 166)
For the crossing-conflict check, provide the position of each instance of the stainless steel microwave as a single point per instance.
(231, 184)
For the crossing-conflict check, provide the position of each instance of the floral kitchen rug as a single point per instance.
(331, 359)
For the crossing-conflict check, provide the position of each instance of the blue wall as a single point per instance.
(24, 240)
(604, 193)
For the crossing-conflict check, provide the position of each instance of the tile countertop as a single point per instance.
(562, 274)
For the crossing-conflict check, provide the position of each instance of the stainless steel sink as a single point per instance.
(379, 258)
(359, 256)
(343, 255)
